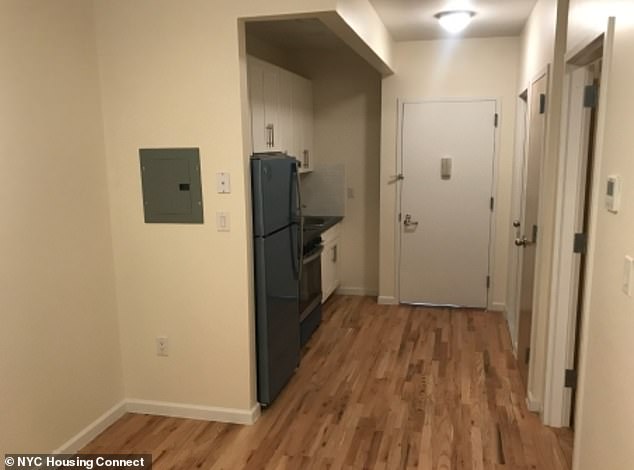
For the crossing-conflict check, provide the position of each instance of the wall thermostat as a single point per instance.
(613, 193)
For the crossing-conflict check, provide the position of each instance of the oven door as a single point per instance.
(310, 290)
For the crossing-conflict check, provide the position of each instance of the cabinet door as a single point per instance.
(284, 141)
(303, 122)
(308, 154)
(259, 136)
(272, 106)
(281, 112)
(297, 119)
(329, 269)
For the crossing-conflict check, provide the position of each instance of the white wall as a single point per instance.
(347, 100)
(60, 366)
(447, 69)
(605, 413)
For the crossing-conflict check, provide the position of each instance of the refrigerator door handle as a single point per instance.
(298, 213)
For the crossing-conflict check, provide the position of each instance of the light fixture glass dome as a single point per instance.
(455, 21)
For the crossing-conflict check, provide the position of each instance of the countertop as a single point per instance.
(320, 223)
(314, 226)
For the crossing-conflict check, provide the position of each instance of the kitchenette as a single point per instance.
(315, 114)
(298, 205)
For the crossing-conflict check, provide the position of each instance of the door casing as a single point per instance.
(565, 302)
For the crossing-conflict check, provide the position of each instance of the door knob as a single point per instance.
(408, 222)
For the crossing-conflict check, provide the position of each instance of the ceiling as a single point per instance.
(411, 20)
(295, 34)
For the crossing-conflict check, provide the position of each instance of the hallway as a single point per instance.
(380, 388)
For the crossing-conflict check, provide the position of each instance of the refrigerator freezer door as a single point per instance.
(277, 311)
(275, 202)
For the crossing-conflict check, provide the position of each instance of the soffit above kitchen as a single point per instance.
(414, 20)
(295, 34)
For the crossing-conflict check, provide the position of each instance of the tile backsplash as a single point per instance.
(324, 190)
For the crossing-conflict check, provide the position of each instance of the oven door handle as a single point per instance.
(313, 256)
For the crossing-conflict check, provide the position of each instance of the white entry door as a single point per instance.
(446, 202)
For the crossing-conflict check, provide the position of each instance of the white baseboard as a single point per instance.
(533, 405)
(387, 300)
(174, 410)
(498, 307)
(360, 291)
(206, 413)
(83, 437)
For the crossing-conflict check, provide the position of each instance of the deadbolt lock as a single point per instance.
(522, 241)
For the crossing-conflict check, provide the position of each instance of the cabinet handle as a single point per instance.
(334, 254)
(306, 158)
(269, 135)
(272, 135)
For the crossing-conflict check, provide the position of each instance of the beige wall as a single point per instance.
(537, 41)
(172, 76)
(60, 366)
(448, 69)
(606, 405)
(168, 74)
(347, 100)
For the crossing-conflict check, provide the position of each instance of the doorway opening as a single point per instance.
(574, 205)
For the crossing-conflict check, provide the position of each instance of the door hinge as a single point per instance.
(542, 103)
(590, 96)
(570, 378)
(492, 203)
(580, 244)
(496, 119)
(488, 282)
(400, 217)
(535, 229)
(528, 356)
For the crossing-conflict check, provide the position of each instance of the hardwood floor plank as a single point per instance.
(379, 387)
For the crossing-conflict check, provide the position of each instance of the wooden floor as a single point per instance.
(379, 388)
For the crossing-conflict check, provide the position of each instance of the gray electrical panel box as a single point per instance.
(171, 185)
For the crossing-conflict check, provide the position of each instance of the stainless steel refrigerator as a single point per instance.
(278, 259)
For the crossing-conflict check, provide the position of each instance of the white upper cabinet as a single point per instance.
(281, 112)
(265, 101)
(303, 122)
(284, 132)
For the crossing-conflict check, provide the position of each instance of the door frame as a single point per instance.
(400, 103)
(562, 316)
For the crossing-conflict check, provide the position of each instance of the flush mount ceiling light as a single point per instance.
(456, 20)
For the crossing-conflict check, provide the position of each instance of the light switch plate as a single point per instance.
(628, 275)
(223, 222)
(223, 183)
